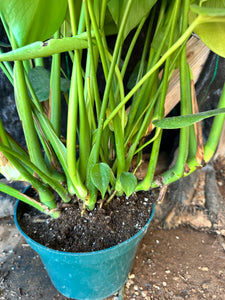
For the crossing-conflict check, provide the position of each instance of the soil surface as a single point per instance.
(77, 231)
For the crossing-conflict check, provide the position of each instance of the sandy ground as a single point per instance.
(170, 264)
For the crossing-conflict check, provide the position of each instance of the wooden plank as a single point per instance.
(197, 53)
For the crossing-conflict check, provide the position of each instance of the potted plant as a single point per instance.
(107, 123)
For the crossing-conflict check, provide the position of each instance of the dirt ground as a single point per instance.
(170, 264)
(178, 264)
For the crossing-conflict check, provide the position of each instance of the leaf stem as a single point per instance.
(18, 195)
(25, 112)
(170, 51)
(55, 92)
(159, 110)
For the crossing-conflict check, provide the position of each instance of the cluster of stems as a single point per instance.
(100, 128)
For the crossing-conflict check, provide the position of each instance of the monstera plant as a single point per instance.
(59, 48)
(108, 135)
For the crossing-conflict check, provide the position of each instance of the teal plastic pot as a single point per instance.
(93, 275)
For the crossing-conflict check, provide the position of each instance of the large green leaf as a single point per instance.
(139, 10)
(40, 80)
(187, 120)
(211, 33)
(33, 20)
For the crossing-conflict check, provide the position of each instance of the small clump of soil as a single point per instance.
(95, 230)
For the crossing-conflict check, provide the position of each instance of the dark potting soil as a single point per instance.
(94, 230)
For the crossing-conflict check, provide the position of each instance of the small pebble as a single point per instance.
(205, 286)
(156, 287)
(205, 269)
(144, 294)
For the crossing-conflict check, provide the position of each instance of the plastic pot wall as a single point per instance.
(93, 275)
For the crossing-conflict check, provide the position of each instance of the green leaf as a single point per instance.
(40, 80)
(212, 30)
(187, 120)
(110, 27)
(35, 20)
(139, 10)
(64, 85)
(128, 183)
(100, 175)
(48, 48)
